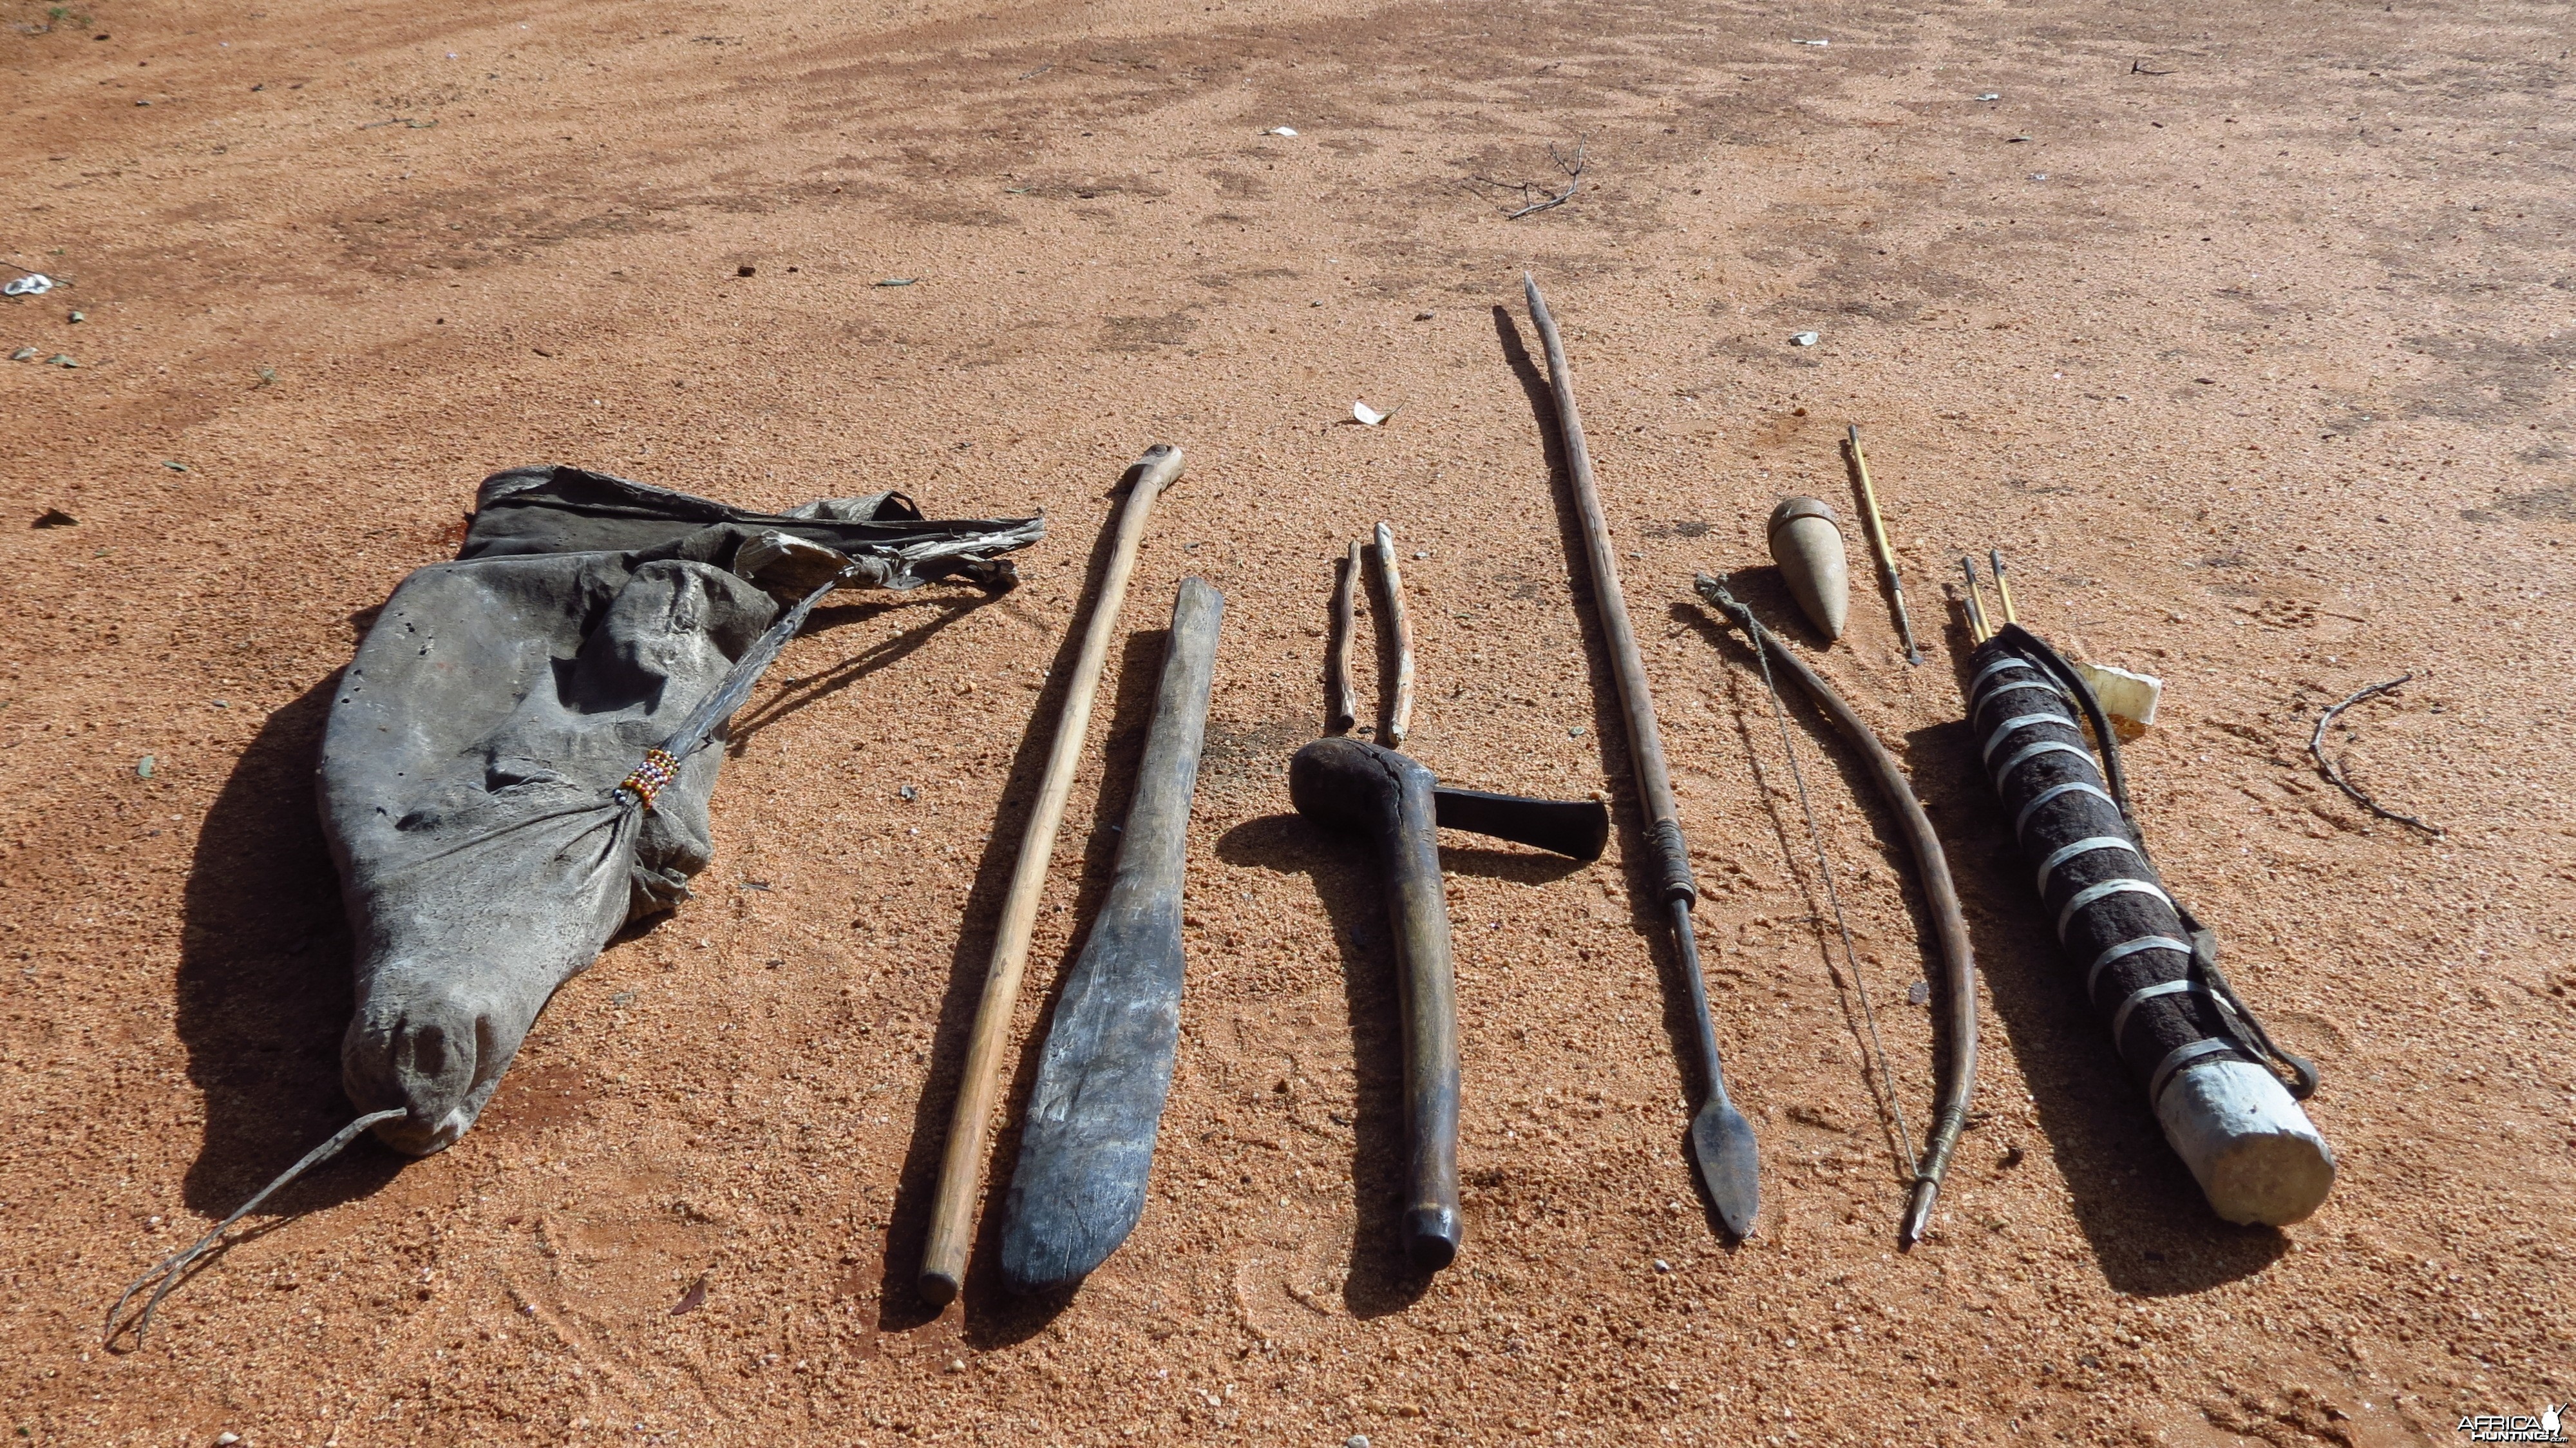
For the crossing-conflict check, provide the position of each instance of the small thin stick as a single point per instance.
(2003, 590)
(2334, 771)
(952, 1209)
(1399, 700)
(1341, 699)
(1878, 538)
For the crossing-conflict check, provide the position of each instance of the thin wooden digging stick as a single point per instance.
(1342, 701)
(1399, 696)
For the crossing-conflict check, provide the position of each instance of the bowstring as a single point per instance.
(1886, 1082)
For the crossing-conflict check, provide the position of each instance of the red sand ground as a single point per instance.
(2243, 330)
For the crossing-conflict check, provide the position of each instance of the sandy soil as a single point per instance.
(2242, 329)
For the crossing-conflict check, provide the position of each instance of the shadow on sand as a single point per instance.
(263, 986)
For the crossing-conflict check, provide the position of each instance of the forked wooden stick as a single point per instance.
(952, 1211)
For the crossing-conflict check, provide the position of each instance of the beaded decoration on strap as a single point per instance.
(650, 777)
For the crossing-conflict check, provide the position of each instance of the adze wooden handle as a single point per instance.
(1354, 786)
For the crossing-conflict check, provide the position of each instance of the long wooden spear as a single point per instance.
(1721, 1139)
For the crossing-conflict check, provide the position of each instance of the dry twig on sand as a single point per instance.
(1573, 170)
(2334, 771)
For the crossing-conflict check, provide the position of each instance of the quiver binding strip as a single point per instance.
(2147, 966)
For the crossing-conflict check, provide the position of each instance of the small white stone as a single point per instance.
(226, 1440)
(1663, 1266)
(1356, 1440)
(1805, 339)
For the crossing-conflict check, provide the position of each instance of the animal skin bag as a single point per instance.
(507, 714)
(516, 764)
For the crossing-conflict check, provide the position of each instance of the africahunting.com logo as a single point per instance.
(2516, 1427)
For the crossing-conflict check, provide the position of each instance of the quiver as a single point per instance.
(2147, 966)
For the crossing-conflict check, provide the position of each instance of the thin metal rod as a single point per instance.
(1341, 698)
(1399, 700)
(1878, 540)
(952, 1209)
(1703, 1025)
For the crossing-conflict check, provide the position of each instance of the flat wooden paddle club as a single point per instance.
(1087, 1143)
(1721, 1139)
